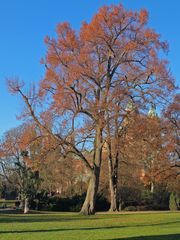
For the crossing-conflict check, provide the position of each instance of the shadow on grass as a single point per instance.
(21, 218)
(160, 237)
(95, 229)
(58, 230)
(16, 216)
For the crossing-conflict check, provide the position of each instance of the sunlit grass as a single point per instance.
(52, 226)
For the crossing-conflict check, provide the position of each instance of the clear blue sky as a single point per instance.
(25, 23)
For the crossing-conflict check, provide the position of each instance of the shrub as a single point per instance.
(130, 208)
(101, 203)
(130, 196)
(147, 197)
(72, 204)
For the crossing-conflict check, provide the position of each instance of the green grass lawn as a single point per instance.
(59, 226)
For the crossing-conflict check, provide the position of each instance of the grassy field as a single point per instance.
(59, 226)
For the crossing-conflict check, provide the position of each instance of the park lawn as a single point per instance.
(60, 226)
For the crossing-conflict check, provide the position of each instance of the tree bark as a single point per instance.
(152, 187)
(113, 182)
(113, 162)
(26, 205)
(20, 198)
(88, 207)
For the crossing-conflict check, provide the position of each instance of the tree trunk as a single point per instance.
(113, 161)
(21, 200)
(152, 187)
(113, 181)
(26, 205)
(21, 206)
(113, 195)
(88, 207)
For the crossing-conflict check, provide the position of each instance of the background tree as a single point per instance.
(14, 163)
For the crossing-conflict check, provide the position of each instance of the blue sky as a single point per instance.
(25, 23)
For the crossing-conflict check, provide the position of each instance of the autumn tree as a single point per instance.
(172, 130)
(90, 76)
(171, 114)
(15, 157)
(63, 176)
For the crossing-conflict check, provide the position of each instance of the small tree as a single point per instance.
(14, 160)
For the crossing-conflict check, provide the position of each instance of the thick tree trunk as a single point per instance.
(88, 207)
(26, 205)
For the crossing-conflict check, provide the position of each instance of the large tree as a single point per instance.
(90, 76)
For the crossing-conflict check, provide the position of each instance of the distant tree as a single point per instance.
(14, 159)
(171, 133)
(172, 115)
